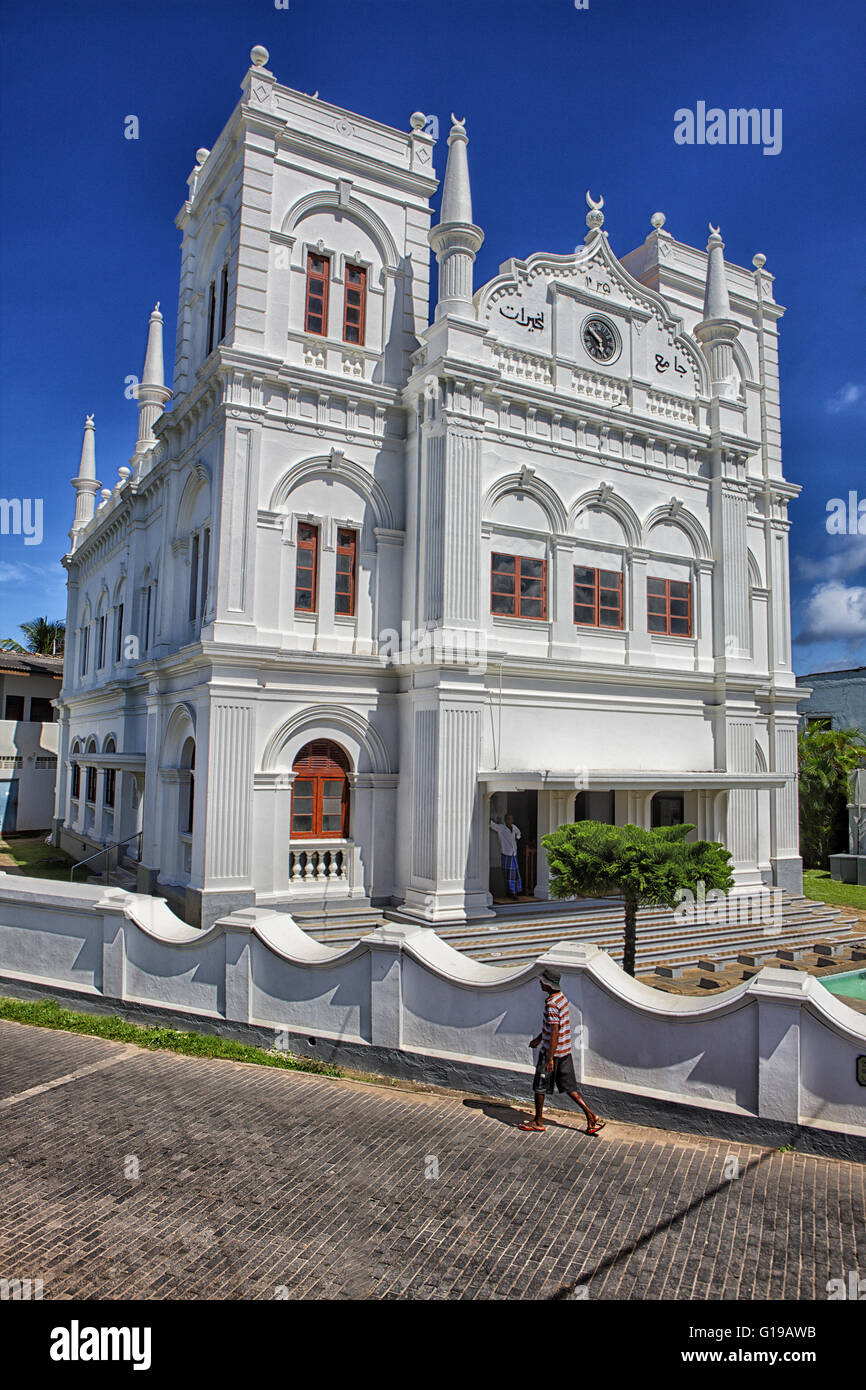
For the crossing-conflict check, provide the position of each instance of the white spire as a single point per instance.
(456, 239)
(154, 370)
(85, 484)
(151, 392)
(87, 465)
(717, 332)
(717, 305)
(456, 193)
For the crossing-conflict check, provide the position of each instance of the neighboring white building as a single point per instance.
(571, 481)
(28, 739)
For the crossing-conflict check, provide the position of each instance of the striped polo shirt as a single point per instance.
(556, 1011)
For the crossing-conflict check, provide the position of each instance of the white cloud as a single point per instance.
(18, 574)
(847, 396)
(844, 556)
(834, 612)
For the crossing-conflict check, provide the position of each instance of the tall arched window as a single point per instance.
(320, 792)
(187, 760)
(75, 790)
(90, 777)
(109, 780)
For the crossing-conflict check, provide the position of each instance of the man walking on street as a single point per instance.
(509, 834)
(555, 1065)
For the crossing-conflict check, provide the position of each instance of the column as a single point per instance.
(149, 865)
(784, 814)
(272, 806)
(446, 862)
(639, 645)
(565, 638)
(741, 830)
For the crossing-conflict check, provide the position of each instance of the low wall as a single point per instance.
(779, 1049)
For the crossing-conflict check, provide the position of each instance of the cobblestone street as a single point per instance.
(256, 1183)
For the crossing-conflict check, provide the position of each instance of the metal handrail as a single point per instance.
(106, 849)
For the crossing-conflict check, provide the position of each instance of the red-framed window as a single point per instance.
(597, 597)
(320, 792)
(669, 607)
(307, 568)
(347, 554)
(318, 277)
(355, 305)
(518, 586)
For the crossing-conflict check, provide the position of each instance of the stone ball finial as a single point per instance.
(259, 56)
(417, 120)
(105, 494)
(759, 261)
(201, 155)
(658, 220)
(124, 472)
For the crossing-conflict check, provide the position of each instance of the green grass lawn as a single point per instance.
(47, 1013)
(39, 860)
(818, 885)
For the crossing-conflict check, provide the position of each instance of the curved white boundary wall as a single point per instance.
(779, 1047)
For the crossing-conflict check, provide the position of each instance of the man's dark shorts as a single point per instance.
(562, 1077)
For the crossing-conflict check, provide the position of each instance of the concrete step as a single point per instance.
(796, 934)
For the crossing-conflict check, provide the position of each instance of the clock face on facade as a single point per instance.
(600, 339)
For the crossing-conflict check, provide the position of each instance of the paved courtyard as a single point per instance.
(256, 1183)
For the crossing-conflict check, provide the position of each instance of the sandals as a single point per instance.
(532, 1126)
(596, 1126)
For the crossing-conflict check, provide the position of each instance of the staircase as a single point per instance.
(664, 946)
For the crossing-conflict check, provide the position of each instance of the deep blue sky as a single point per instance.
(556, 100)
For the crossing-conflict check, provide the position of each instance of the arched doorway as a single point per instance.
(320, 792)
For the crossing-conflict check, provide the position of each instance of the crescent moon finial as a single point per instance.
(715, 230)
(456, 121)
(591, 203)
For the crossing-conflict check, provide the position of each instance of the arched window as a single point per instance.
(187, 760)
(109, 780)
(90, 778)
(320, 792)
(76, 773)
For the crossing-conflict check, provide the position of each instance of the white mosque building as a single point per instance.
(370, 581)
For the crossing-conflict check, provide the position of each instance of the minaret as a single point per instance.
(717, 332)
(151, 392)
(85, 484)
(456, 240)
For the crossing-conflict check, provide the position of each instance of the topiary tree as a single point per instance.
(646, 868)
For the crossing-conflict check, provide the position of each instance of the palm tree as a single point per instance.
(827, 759)
(44, 638)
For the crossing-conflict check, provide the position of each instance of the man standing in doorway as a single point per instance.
(555, 1065)
(509, 834)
